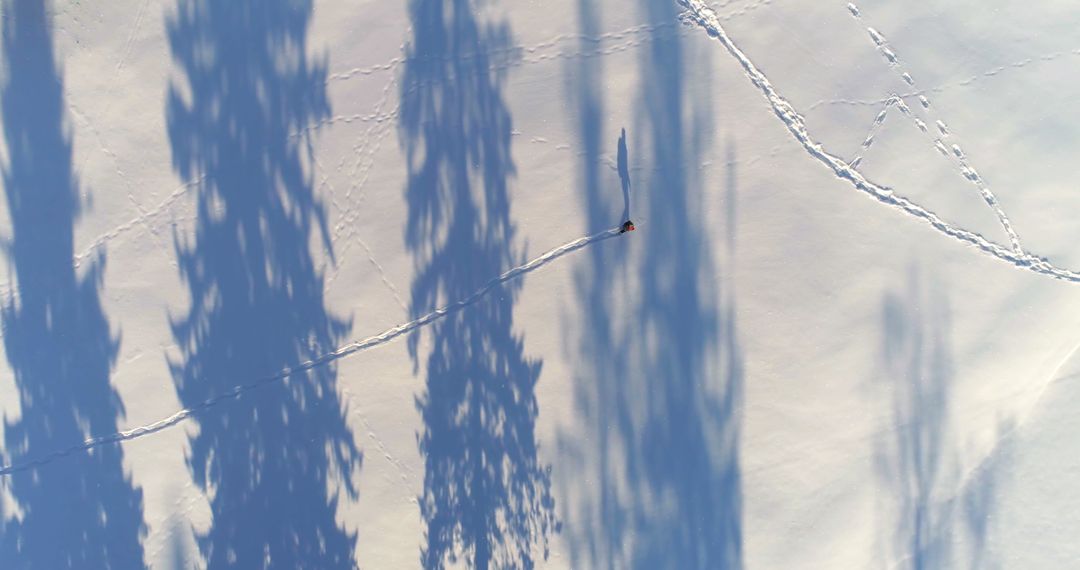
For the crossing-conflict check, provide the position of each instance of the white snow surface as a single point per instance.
(320, 284)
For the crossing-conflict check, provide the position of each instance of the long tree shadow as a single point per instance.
(653, 470)
(486, 496)
(691, 379)
(594, 513)
(916, 356)
(83, 511)
(920, 462)
(274, 461)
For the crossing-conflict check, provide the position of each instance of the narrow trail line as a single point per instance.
(9, 291)
(405, 474)
(942, 88)
(341, 352)
(381, 119)
(699, 13)
(868, 141)
(510, 52)
(131, 36)
(970, 174)
(141, 212)
(364, 151)
(506, 53)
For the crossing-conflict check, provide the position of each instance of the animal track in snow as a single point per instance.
(965, 169)
(943, 87)
(874, 128)
(707, 20)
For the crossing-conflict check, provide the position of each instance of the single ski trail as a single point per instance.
(341, 352)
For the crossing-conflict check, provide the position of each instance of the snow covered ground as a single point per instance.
(329, 284)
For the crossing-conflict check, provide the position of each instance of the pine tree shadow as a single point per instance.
(486, 497)
(920, 461)
(918, 361)
(81, 511)
(652, 470)
(275, 460)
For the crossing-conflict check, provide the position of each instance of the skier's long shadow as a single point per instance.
(651, 470)
(275, 459)
(623, 164)
(486, 496)
(81, 511)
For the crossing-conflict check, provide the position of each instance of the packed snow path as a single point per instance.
(341, 352)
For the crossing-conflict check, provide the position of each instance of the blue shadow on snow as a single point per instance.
(486, 497)
(920, 461)
(81, 511)
(274, 461)
(651, 471)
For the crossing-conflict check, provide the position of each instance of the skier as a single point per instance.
(627, 226)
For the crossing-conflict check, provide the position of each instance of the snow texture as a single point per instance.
(320, 284)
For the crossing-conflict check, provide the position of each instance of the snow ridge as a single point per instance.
(699, 13)
(341, 352)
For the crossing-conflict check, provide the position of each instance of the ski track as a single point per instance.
(341, 352)
(699, 13)
(969, 172)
